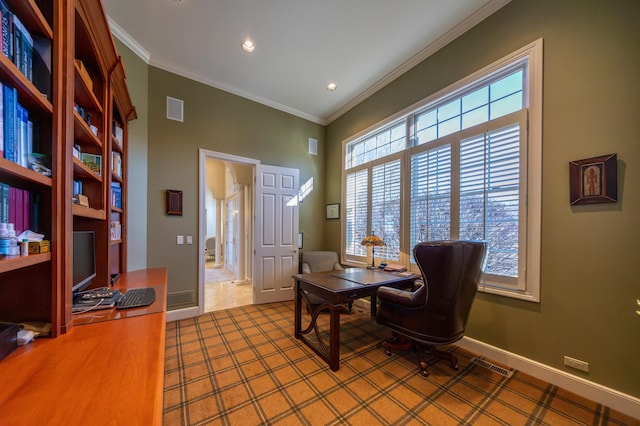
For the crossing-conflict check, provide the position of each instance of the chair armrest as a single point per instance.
(416, 296)
(306, 269)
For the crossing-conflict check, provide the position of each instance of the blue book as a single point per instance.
(10, 111)
(4, 202)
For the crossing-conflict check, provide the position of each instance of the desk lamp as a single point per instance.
(372, 240)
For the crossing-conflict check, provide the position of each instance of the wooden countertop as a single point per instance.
(105, 372)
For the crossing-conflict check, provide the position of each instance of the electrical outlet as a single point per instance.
(180, 239)
(576, 363)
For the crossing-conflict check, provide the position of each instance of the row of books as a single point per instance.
(20, 207)
(16, 130)
(17, 42)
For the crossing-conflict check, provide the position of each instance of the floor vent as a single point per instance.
(492, 367)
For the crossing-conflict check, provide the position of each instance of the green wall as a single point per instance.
(137, 72)
(217, 121)
(591, 107)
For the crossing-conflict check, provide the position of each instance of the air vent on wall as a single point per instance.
(313, 146)
(175, 109)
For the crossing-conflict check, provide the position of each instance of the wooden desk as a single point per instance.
(338, 288)
(106, 372)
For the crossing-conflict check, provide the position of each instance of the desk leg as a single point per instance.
(334, 337)
(297, 322)
(374, 305)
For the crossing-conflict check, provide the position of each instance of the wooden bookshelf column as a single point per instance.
(65, 85)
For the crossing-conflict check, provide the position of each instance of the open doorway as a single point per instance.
(227, 208)
(255, 226)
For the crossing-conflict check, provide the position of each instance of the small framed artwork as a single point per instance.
(594, 180)
(333, 211)
(299, 240)
(173, 202)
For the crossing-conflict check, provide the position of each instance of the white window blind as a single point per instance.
(356, 212)
(385, 208)
(431, 195)
(490, 196)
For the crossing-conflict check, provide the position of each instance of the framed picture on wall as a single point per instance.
(333, 211)
(173, 202)
(594, 180)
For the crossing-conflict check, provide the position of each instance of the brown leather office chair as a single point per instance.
(435, 310)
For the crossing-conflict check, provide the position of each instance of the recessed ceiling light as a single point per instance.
(331, 87)
(248, 46)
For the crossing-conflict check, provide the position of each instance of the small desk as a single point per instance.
(338, 288)
(109, 371)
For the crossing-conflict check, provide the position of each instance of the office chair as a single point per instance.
(435, 310)
(319, 261)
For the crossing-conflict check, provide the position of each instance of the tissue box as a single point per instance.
(8, 339)
(36, 247)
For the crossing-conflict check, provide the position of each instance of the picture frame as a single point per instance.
(333, 211)
(173, 202)
(594, 180)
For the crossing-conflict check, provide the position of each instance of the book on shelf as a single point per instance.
(116, 195)
(7, 23)
(16, 128)
(116, 230)
(118, 134)
(92, 161)
(18, 206)
(17, 41)
(116, 163)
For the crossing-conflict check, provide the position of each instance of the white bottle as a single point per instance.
(5, 241)
(14, 248)
(24, 247)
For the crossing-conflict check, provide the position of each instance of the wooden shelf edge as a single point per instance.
(12, 263)
(81, 170)
(82, 211)
(31, 16)
(83, 94)
(29, 94)
(83, 132)
(16, 170)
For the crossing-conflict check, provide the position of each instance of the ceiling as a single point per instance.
(301, 45)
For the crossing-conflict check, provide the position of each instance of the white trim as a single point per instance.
(611, 398)
(202, 219)
(126, 39)
(180, 314)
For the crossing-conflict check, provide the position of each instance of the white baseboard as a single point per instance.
(612, 398)
(180, 314)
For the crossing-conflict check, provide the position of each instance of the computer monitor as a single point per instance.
(84, 259)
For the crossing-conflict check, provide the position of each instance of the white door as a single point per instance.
(276, 233)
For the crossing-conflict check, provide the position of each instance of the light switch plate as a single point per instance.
(180, 239)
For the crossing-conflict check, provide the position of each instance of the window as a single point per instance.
(463, 164)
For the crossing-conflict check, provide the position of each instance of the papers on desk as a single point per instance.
(368, 276)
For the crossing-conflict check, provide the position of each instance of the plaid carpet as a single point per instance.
(242, 366)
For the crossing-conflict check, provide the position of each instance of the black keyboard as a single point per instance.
(136, 297)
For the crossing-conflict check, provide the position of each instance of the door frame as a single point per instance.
(202, 219)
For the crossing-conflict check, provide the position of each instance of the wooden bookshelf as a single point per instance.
(87, 93)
